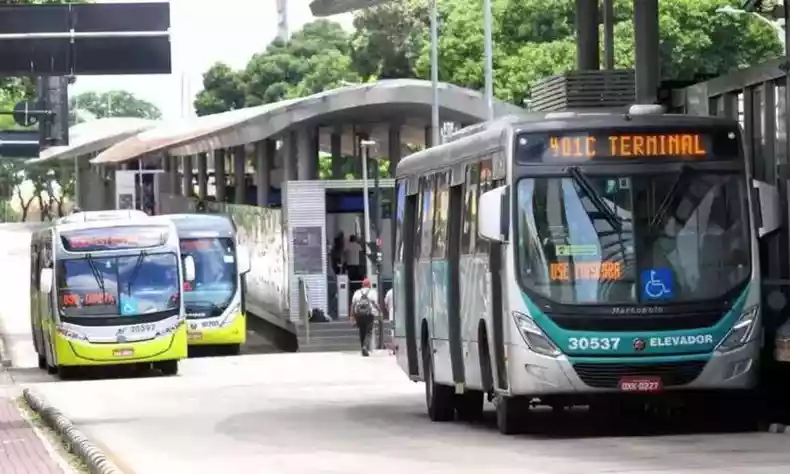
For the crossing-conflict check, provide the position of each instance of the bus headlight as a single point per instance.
(534, 336)
(741, 331)
(71, 333)
(232, 312)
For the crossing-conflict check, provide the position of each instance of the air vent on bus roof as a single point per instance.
(646, 109)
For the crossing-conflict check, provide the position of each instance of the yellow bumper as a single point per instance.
(70, 352)
(233, 333)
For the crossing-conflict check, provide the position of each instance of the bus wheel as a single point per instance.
(470, 405)
(438, 398)
(510, 414)
(67, 372)
(233, 350)
(168, 367)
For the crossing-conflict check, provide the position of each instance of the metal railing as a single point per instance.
(304, 308)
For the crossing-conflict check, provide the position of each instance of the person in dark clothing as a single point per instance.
(364, 311)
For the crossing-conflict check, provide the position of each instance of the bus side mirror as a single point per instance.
(189, 268)
(768, 206)
(243, 263)
(492, 215)
(46, 280)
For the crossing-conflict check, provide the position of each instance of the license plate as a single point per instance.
(194, 336)
(640, 384)
(123, 352)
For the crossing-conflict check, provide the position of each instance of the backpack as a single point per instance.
(363, 307)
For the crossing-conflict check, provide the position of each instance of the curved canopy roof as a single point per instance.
(376, 101)
(89, 137)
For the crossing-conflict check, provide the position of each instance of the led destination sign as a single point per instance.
(691, 145)
(623, 144)
(119, 238)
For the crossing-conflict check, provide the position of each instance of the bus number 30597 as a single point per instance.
(140, 328)
(593, 343)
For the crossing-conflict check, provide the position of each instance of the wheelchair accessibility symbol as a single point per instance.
(657, 284)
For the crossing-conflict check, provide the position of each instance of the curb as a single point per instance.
(79, 444)
(779, 428)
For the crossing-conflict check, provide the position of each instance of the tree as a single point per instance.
(314, 59)
(535, 38)
(223, 89)
(112, 104)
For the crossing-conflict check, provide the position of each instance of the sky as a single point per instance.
(202, 33)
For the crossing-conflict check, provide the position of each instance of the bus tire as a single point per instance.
(168, 367)
(67, 372)
(233, 349)
(469, 405)
(439, 399)
(510, 413)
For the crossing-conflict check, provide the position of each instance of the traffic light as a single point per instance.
(374, 252)
(52, 92)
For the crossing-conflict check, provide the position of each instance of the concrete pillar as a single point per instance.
(202, 170)
(188, 188)
(307, 154)
(394, 146)
(289, 156)
(608, 34)
(175, 176)
(264, 157)
(588, 56)
(336, 147)
(648, 65)
(428, 137)
(239, 180)
(219, 174)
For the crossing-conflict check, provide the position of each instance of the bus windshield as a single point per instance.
(633, 239)
(128, 285)
(215, 276)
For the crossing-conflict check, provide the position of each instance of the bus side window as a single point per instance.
(428, 192)
(399, 214)
(470, 210)
(485, 185)
(441, 208)
(418, 219)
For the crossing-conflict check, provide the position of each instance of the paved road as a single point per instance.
(340, 413)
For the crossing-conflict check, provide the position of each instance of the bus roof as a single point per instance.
(89, 216)
(488, 137)
(200, 225)
(101, 224)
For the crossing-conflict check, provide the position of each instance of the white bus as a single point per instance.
(579, 258)
(108, 292)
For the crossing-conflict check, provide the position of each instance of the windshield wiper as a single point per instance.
(678, 185)
(589, 189)
(204, 303)
(137, 264)
(97, 274)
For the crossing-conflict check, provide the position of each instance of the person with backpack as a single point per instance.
(364, 311)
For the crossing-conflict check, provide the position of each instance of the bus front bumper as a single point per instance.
(71, 352)
(200, 333)
(536, 375)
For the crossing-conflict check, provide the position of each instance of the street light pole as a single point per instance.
(376, 216)
(366, 201)
(435, 132)
(489, 58)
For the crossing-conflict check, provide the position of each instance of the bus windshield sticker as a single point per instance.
(657, 284)
(228, 258)
(564, 250)
(92, 240)
(128, 306)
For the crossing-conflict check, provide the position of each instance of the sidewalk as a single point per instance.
(21, 450)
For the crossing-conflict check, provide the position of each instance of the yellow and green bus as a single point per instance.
(214, 301)
(108, 292)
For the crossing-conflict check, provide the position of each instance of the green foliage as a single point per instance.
(111, 104)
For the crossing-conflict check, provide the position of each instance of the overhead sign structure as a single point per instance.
(85, 39)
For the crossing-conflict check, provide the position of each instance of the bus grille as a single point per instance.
(609, 375)
(652, 322)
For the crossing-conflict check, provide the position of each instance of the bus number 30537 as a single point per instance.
(594, 343)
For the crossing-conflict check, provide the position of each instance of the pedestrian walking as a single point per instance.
(364, 311)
